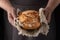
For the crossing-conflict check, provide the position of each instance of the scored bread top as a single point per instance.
(30, 19)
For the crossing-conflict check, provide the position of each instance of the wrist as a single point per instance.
(10, 9)
(49, 9)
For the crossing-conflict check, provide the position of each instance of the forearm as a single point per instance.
(52, 4)
(6, 5)
(59, 1)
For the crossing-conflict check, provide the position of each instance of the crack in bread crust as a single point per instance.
(30, 19)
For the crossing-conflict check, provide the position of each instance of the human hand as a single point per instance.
(48, 14)
(11, 15)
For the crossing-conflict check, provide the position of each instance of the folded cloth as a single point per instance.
(44, 29)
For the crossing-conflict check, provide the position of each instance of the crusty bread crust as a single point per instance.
(29, 19)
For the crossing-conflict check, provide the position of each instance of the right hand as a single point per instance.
(48, 14)
(11, 15)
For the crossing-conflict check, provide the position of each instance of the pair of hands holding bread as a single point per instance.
(11, 11)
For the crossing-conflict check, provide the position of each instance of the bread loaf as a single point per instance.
(30, 19)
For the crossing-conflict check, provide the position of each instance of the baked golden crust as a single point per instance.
(30, 19)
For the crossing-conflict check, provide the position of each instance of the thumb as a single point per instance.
(14, 13)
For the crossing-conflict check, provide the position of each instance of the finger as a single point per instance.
(45, 12)
(10, 18)
(49, 18)
(14, 14)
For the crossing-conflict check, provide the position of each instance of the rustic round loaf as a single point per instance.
(30, 19)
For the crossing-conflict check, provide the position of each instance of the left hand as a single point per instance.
(11, 14)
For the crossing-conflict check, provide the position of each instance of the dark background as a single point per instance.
(57, 19)
(1, 24)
